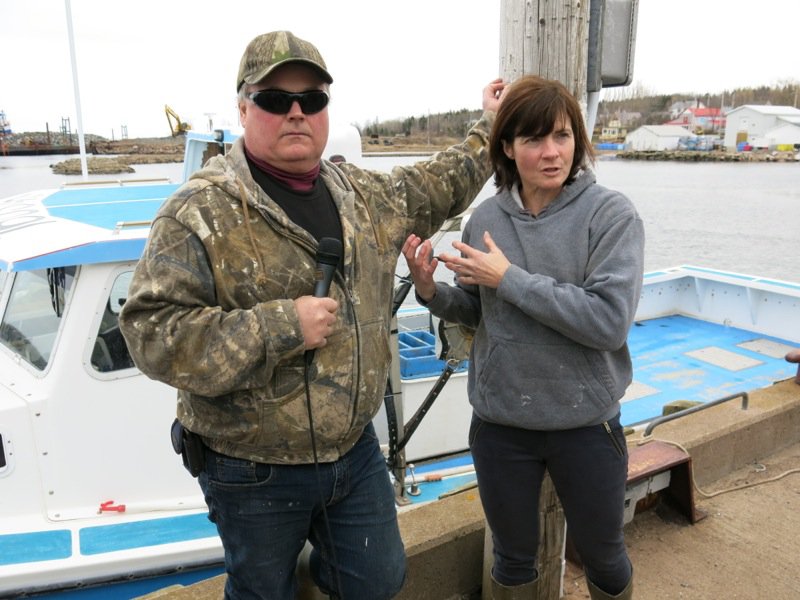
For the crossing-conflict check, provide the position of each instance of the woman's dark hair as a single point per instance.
(532, 106)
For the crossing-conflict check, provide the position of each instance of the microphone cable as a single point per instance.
(329, 254)
(334, 560)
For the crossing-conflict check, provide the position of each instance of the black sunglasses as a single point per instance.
(279, 102)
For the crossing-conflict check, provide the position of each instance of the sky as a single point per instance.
(388, 59)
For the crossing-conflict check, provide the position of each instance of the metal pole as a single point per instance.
(81, 143)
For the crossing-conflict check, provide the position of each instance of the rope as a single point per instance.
(706, 494)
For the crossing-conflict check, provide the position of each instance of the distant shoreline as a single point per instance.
(706, 156)
(170, 149)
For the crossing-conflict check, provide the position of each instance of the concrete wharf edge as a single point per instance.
(445, 539)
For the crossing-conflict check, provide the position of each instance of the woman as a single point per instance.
(549, 273)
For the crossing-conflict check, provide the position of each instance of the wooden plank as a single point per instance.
(552, 534)
(653, 457)
(546, 38)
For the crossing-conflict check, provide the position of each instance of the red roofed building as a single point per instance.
(700, 120)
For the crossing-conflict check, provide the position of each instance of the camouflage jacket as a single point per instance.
(203, 316)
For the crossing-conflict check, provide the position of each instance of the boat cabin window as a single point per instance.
(110, 353)
(34, 311)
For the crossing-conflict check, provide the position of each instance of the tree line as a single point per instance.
(654, 109)
(633, 104)
(450, 124)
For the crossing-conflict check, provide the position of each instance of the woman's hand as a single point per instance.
(475, 267)
(421, 264)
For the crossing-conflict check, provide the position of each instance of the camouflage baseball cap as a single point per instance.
(269, 51)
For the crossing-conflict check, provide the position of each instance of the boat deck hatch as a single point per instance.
(682, 358)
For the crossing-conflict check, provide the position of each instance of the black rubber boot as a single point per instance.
(525, 591)
(597, 594)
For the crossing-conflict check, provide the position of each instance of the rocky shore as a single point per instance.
(123, 154)
(109, 157)
(109, 165)
(714, 156)
(140, 146)
(419, 145)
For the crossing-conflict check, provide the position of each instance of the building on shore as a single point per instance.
(656, 137)
(768, 127)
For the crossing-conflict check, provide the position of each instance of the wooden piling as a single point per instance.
(549, 39)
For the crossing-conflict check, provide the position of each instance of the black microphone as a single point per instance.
(329, 253)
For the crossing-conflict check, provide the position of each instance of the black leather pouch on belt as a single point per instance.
(190, 447)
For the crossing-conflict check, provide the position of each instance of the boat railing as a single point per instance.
(120, 182)
(677, 415)
(120, 225)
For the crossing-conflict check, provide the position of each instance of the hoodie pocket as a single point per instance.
(537, 376)
(287, 382)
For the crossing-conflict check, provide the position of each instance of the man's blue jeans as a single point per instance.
(265, 512)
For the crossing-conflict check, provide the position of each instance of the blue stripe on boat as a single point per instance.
(35, 546)
(88, 254)
(687, 272)
(152, 532)
(105, 207)
(126, 589)
(448, 463)
(431, 490)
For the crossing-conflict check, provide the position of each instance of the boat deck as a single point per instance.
(681, 358)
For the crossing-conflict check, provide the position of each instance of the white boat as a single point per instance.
(91, 492)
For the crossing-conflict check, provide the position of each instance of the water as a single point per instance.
(20, 174)
(741, 217)
(730, 216)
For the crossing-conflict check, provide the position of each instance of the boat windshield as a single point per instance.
(34, 311)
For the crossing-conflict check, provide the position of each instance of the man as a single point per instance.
(281, 386)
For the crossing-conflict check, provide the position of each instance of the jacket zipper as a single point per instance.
(613, 439)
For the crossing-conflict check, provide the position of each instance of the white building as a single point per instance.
(656, 137)
(782, 137)
(762, 126)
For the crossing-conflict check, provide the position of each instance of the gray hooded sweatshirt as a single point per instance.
(550, 350)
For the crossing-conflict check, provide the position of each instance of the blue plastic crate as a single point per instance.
(418, 355)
